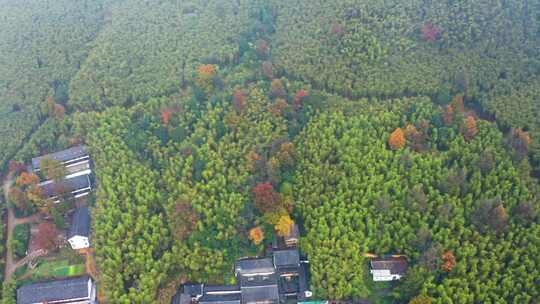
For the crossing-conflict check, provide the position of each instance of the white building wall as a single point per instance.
(384, 275)
(92, 291)
(79, 242)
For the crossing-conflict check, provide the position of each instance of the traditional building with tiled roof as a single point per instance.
(71, 291)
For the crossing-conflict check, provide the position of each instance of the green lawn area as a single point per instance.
(57, 269)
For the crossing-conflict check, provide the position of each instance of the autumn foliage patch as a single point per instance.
(430, 32)
(397, 139)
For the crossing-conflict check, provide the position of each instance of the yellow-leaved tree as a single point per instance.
(284, 224)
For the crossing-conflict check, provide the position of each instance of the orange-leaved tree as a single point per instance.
(165, 116)
(469, 130)
(449, 261)
(207, 70)
(26, 179)
(256, 235)
(205, 76)
(448, 115)
(520, 141)
(298, 98)
(457, 104)
(397, 139)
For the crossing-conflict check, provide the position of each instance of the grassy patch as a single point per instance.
(21, 236)
(57, 269)
(19, 272)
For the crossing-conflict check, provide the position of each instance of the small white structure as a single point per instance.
(79, 232)
(388, 269)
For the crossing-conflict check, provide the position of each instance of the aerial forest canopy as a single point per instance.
(379, 127)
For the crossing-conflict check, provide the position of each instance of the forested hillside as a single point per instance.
(365, 48)
(42, 45)
(357, 195)
(378, 127)
(153, 48)
(518, 106)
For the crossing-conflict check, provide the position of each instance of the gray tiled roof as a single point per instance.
(258, 280)
(193, 289)
(181, 298)
(260, 294)
(54, 291)
(286, 258)
(81, 223)
(220, 299)
(51, 188)
(396, 265)
(254, 266)
(62, 156)
(294, 233)
(221, 288)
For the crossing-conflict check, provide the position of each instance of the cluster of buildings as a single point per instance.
(269, 280)
(76, 184)
(277, 278)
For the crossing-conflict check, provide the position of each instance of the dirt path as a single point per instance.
(28, 258)
(91, 264)
(34, 218)
(10, 226)
(12, 221)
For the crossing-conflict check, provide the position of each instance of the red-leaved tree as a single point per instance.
(165, 116)
(185, 219)
(47, 237)
(266, 198)
(267, 69)
(59, 111)
(263, 49)
(448, 115)
(239, 100)
(430, 32)
(337, 29)
(16, 167)
(298, 99)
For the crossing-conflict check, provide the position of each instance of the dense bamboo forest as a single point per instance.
(379, 127)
